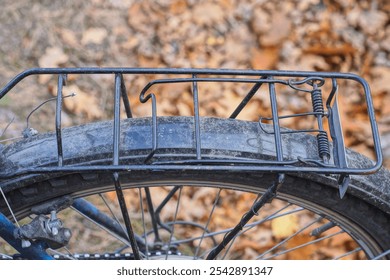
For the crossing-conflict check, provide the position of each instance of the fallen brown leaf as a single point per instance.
(304, 253)
(208, 14)
(343, 50)
(284, 226)
(83, 103)
(279, 30)
(264, 58)
(94, 36)
(380, 82)
(53, 57)
(69, 37)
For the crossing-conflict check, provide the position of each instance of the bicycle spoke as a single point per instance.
(70, 256)
(268, 195)
(162, 204)
(305, 244)
(143, 222)
(208, 222)
(116, 236)
(9, 208)
(290, 237)
(5, 257)
(250, 225)
(268, 218)
(348, 253)
(67, 250)
(382, 255)
(112, 212)
(152, 215)
(174, 221)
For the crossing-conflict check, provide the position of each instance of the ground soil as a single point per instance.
(312, 35)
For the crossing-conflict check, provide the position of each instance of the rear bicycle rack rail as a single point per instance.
(330, 160)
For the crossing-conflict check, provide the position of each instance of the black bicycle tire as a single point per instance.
(366, 203)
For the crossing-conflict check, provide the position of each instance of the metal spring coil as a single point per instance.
(316, 98)
(322, 137)
(323, 145)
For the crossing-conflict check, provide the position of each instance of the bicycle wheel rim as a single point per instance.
(359, 235)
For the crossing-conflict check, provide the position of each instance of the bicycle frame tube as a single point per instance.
(37, 250)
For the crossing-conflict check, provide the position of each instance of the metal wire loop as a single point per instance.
(312, 81)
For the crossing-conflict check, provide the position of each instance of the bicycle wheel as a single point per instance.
(195, 221)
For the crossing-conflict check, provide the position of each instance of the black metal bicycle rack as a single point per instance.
(331, 152)
(331, 158)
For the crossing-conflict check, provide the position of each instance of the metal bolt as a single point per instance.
(54, 231)
(67, 233)
(53, 215)
(25, 243)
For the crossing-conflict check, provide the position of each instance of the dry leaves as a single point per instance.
(284, 226)
(381, 78)
(53, 57)
(265, 58)
(84, 104)
(208, 14)
(94, 36)
(69, 37)
(304, 253)
(337, 35)
(280, 28)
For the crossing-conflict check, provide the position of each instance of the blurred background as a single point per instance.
(319, 35)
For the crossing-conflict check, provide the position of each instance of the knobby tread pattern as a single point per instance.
(367, 203)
